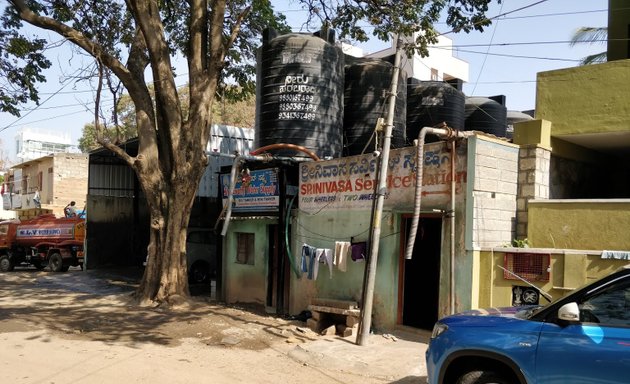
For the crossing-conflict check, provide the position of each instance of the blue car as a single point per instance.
(581, 338)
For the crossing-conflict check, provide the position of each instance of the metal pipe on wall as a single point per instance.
(255, 156)
(447, 133)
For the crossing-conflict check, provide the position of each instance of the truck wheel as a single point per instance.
(55, 262)
(6, 264)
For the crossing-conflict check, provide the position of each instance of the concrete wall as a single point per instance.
(31, 173)
(569, 270)
(580, 224)
(322, 231)
(493, 191)
(246, 283)
(587, 99)
(70, 180)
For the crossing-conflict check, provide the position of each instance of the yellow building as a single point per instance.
(575, 207)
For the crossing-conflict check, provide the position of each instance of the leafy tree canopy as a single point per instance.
(21, 63)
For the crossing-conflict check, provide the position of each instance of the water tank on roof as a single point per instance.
(485, 115)
(301, 94)
(430, 103)
(514, 117)
(367, 86)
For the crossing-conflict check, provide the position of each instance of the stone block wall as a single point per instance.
(533, 182)
(70, 180)
(494, 192)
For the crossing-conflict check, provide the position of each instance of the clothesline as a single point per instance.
(312, 257)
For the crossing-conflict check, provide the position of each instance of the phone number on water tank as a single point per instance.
(296, 116)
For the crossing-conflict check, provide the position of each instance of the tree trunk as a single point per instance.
(165, 278)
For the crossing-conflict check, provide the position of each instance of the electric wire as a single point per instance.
(485, 58)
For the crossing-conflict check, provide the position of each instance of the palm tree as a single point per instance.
(591, 35)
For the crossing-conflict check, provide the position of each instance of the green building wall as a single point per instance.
(586, 99)
(244, 282)
(580, 224)
(321, 231)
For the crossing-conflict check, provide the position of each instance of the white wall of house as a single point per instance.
(33, 143)
(440, 65)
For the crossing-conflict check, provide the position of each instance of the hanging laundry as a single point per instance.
(307, 263)
(341, 254)
(358, 251)
(323, 256)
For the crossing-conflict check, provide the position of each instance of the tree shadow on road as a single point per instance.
(100, 307)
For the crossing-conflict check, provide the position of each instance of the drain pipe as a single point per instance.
(452, 220)
(447, 133)
(255, 156)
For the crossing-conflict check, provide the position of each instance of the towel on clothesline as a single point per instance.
(341, 254)
(323, 256)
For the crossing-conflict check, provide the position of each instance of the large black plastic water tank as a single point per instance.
(486, 115)
(367, 85)
(514, 117)
(430, 103)
(301, 95)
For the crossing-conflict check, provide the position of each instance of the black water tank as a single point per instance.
(486, 115)
(514, 117)
(301, 94)
(430, 103)
(367, 85)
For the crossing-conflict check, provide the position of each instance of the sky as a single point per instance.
(503, 60)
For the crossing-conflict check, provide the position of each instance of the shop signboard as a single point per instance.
(255, 191)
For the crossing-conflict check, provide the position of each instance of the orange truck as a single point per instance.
(45, 241)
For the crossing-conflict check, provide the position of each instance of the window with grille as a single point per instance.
(245, 248)
(530, 266)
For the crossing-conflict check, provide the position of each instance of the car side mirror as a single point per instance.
(569, 312)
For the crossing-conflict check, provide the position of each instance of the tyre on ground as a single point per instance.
(55, 262)
(6, 264)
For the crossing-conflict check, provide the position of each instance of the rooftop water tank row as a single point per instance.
(301, 95)
(312, 95)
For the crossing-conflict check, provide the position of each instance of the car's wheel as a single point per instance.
(55, 262)
(482, 377)
(199, 272)
(6, 264)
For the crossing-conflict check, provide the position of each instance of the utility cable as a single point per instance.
(483, 64)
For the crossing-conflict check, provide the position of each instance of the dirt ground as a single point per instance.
(62, 319)
(100, 308)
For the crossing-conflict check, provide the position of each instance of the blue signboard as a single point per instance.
(255, 191)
